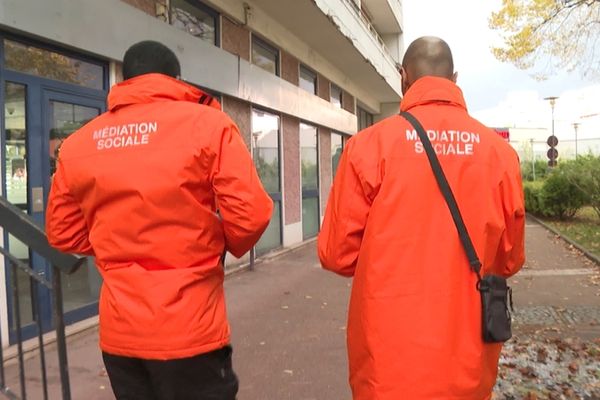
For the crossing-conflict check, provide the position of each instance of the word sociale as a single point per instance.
(446, 142)
(126, 135)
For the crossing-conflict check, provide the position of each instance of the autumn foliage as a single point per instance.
(550, 35)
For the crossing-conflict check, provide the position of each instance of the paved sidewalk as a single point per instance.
(288, 318)
(558, 290)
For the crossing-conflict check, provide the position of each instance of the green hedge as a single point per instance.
(584, 173)
(565, 189)
(532, 192)
(541, 170)
(559, 196)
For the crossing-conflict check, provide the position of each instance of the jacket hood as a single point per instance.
(432, 89)
(149, 88)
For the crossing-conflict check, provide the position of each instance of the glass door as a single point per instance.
(266, 154)
(15, 188)
(64, 114)
(309, 155)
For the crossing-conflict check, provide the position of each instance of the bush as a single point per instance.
(532, 191)
(541, 170)
(560, 197)
(584, 172)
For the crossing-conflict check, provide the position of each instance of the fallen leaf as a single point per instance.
(528, 372)
(531, 396)
(573, 367)
(542, 355)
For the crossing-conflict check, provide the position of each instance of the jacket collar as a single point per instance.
(431, 89)
(149, 88)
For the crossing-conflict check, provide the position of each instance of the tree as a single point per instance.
(49, 64)
(564, 34)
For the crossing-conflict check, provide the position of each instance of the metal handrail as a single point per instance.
(23, 228)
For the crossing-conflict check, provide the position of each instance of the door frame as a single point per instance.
(49, 95)
(39, 91)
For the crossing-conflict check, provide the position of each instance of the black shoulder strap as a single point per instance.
(447, 192)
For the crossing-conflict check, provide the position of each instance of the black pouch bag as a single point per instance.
(496, 295)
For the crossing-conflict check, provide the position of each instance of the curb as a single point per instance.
(567, 239)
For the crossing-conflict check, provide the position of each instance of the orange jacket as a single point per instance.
(137, 187)
(414, 321)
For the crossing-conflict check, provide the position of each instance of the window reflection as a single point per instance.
(49, 64)
(365, 119)
(194, 19)
(310, 180)
(308, 157)
(336, 96)
(265, 149)
(66, 119)
(15, 142)
(336, 152)
(15, 135)
(265, 55)
(308, 80)
(265, 145)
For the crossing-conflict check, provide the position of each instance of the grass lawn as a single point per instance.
(583, 229)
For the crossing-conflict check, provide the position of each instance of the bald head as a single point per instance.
(427, 56)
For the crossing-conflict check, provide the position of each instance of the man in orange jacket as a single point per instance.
(138, 188)
(414, 324)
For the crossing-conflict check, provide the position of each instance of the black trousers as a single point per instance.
(207, 376)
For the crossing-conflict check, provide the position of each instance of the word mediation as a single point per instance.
(127, 135)
(459, 143)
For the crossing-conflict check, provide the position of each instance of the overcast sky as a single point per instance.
(464, 25)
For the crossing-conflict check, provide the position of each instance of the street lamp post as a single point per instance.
(255, 158)
(532, 159)
(576, 126)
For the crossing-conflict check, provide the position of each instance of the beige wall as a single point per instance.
(324, 166)
(290, 68)
(323, 87)
(147, 6)
(348, 102)
(241, 113)
(291, 169)
(235, 38)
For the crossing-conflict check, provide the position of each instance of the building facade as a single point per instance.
(297, 76)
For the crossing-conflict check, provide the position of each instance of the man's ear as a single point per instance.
(455, 77)
(404, 80)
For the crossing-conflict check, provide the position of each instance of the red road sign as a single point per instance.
(503, 132)
(552, 141)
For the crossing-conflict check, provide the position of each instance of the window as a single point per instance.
(265, 56)
(365, 119)
(337, 146)
(308, 80)
(265, 152)
(336, 95)
(52, 65)
(310, 180)
(196, 19)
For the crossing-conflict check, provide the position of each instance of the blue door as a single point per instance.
(46, 95)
